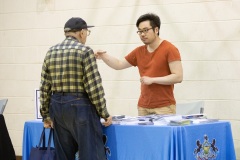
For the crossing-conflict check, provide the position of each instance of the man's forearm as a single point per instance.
(112, 62)
(168, 80)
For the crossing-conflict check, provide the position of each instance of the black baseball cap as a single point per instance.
(75, 24)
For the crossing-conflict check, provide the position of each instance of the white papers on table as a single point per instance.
(159, 119)
(197, 121)
(165, 119)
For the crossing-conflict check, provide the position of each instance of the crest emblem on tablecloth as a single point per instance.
(207, 150)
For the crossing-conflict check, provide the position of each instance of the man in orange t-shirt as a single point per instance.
(159, 65)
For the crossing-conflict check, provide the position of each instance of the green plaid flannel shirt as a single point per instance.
(71, 67)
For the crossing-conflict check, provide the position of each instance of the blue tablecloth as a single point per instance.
(212, 141)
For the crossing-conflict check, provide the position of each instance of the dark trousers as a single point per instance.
(6, 148)
(77, 127)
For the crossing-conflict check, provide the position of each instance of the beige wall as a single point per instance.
(207, 33)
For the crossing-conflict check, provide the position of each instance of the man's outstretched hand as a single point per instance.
(99, 53)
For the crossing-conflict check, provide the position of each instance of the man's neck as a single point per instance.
(154, 45)
(74, 35)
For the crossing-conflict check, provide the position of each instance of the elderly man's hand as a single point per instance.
(108, 121)
(48, 123)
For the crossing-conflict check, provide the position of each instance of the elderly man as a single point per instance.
(72, 96)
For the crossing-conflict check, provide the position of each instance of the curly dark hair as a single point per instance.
(153, 18)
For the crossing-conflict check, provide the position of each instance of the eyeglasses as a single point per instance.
(145, 31)
(88, 32)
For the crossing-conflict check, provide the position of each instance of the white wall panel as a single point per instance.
(201, 70)
(15, 103)
(7, 55)
(109, 74)
(211, 70)
(14, 88)
(122, 89)
(209, 50)
(27, 55)
(122, 107)
(208, 90)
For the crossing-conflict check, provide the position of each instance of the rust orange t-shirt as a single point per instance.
(155, 64)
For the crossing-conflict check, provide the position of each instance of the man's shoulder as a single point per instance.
(70, 45)
(140, 48)
(168, 43)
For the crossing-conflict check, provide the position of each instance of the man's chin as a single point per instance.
(144, 41)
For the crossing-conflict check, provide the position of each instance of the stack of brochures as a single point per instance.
(118, 117)
(205, 120)
(193, 116)
(180, 122)
(125, 120)
(199, 118)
